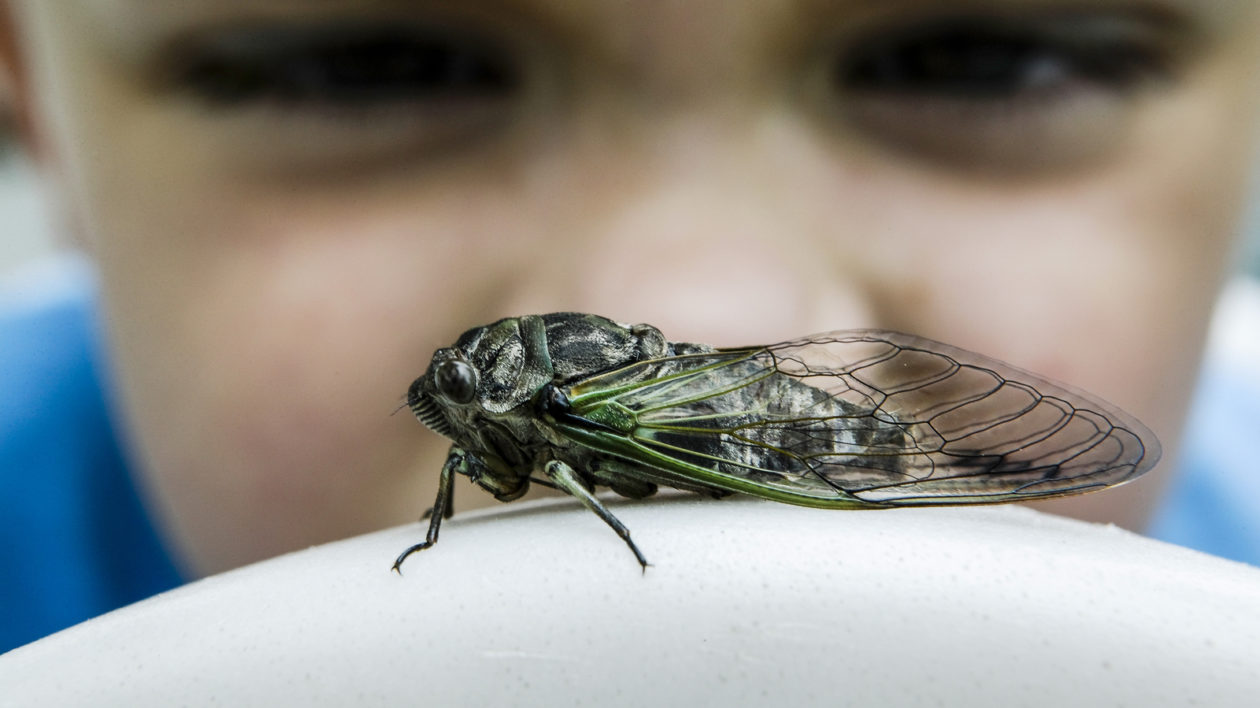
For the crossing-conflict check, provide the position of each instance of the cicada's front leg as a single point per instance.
(566, 479)
(457, 460)
(450, 508)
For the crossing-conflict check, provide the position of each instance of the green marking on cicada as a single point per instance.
(616, 417)
(848, 419)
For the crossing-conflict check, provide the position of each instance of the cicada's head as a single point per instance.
(489, 375)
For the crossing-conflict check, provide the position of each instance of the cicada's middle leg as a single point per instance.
(566, 479)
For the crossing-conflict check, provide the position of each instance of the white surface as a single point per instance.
(748, 603)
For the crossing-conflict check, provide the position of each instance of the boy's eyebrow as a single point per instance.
(140, 19)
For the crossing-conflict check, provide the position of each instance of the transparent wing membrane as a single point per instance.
(866, 417)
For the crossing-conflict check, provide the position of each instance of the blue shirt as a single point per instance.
(75, 540)
(1214, 502)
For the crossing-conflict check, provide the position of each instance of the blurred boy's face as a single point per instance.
(294, 202)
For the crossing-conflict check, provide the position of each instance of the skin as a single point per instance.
(275, 276)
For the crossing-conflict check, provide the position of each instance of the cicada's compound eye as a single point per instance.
(456, 381)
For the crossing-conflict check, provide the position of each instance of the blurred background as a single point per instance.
(28, 234)
(27, 230)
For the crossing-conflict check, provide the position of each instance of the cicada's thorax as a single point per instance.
(514, 359)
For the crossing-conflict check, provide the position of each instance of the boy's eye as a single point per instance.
(312, 98)
(991, 60)
(996, 92)
(341, 67)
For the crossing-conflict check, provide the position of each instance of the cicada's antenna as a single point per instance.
(400, 407)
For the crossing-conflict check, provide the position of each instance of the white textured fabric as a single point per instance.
(747, 603)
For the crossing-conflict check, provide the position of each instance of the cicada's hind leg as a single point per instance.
(456, 461)
(566, 479)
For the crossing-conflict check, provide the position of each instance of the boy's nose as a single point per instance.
(711, 251)
(712, 266)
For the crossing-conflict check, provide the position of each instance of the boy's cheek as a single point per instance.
(261, 360)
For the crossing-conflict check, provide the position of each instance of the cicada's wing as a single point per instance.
(860, 418)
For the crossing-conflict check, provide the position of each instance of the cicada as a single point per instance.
(857, 419)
